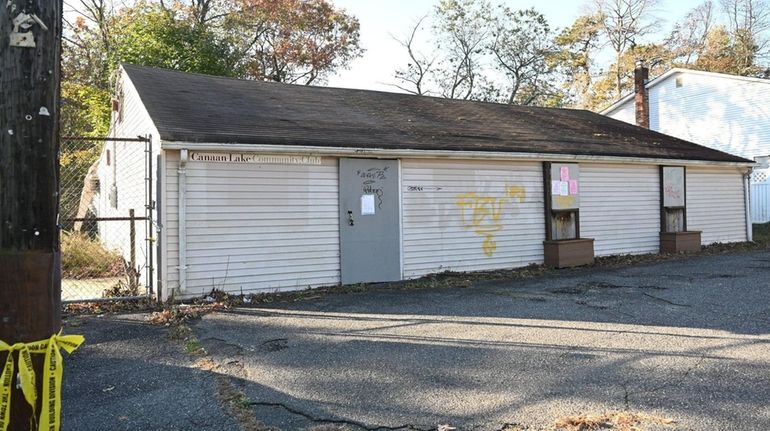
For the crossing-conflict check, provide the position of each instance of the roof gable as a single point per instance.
(198, 108)
(677, 71)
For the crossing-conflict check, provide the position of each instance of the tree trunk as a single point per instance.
(30, 262)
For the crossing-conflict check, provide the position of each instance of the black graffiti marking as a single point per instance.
(371, 178)
(373, 173)
(422, 188)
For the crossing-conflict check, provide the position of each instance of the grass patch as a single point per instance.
(83, 257)
(243, 401)
(193, 347)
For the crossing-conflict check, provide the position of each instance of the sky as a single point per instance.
(382, 19)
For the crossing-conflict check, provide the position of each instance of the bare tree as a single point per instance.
(463, 29)
(623, 22)
(688, 38)
(481, 53)
(415, 75)
(753, 15)
(522, 43)
(749, 20)
(201, 12)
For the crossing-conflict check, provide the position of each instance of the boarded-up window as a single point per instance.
(674, 199)
(563, 197)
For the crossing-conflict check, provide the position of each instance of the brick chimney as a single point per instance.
(641, 96)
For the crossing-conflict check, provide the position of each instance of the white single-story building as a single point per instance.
(729, 113)
(266, 186)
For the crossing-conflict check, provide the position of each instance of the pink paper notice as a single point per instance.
(564, 171)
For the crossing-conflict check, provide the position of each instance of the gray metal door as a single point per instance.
(370, 249)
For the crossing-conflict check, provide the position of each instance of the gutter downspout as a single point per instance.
(182, 224)
(747, 201)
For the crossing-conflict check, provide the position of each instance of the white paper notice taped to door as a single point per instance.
(367, 204)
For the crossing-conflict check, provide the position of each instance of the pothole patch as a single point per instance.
(274, 345)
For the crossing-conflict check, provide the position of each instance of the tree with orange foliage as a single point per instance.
(293, 41)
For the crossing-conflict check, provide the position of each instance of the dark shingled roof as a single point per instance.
(198, 108)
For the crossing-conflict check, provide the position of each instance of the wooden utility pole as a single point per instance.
(30, 261)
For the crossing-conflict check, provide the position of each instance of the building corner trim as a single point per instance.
(182, 223)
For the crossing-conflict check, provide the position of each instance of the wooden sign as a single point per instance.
(269, 159)
(565, 186)
(673, 186)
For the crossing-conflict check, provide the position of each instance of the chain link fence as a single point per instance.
(105, 217)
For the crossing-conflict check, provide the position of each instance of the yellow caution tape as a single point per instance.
(50, 414)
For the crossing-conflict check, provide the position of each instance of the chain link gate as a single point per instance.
(105, 215)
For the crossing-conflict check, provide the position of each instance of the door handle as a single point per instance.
(350, 218)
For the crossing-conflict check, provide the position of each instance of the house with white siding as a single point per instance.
(267, 186)
(726, 112)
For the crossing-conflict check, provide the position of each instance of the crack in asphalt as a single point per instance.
(509, 425)
(665, 300)
(679, 381)
(240, 369)
(337, 421)
(626, 395)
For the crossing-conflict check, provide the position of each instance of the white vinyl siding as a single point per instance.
(731, 114)
(127, 171)
(436, 236)
(715, 204)
(625, 113)
(136, 120)
(620, 208)
(276, 227)
(654, 110)
(256, 227)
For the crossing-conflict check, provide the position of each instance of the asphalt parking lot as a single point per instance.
(686, 340)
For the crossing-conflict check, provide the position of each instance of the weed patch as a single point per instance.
(618, 421)
(237, 405)
(83, 257)
(193, 347)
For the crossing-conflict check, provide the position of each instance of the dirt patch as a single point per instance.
(181, 313)
(104, 307)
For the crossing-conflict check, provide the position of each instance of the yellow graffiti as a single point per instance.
(483, 214)
(565, 201)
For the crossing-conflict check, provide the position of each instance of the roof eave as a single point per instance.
(443, 154)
